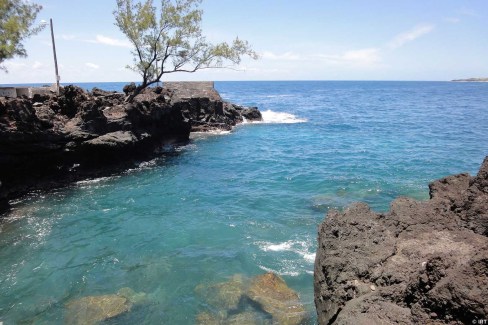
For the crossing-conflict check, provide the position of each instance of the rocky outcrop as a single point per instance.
(48, 140)
(203, 106)
(419, 263)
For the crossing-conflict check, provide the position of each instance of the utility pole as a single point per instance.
(55, 59)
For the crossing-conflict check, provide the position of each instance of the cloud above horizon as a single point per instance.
(92, 65)
(367, 57)
(409, 36)
(101, 39)
(289, 56)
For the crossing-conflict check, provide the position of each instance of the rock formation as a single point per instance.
(95, 309)
(264, 299)
(47, 140)
(419, 263)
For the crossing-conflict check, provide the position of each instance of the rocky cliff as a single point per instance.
(49, 140)
(419, 263)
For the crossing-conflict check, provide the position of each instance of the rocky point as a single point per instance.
(419, 263)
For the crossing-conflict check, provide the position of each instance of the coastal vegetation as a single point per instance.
(168, 38)
(16, 23)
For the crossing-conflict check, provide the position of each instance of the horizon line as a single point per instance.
(269, 80)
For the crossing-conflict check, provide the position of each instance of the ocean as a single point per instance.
(239, 203)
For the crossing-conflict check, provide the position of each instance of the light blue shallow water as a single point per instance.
(241, 203)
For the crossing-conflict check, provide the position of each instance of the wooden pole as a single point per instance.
(55, 59)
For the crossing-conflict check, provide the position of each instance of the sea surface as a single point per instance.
(245, 202)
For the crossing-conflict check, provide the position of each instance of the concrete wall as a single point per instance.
(8, 92)
(193, 89)
(180, 85)
(25, 91)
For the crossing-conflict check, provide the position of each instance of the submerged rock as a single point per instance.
(419, 263)
(248, 318)
(206, 318)
(94, 309)
(223, 295)
(265, 299)
(276, 298)
(245, 317)
(134, 298)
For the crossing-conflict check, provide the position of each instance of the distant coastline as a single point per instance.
(471, 80)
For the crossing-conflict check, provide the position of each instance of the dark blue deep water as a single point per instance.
(244, 203)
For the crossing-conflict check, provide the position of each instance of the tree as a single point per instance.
(169, 39)
(16, 20)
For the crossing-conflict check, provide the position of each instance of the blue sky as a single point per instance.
(297, 40)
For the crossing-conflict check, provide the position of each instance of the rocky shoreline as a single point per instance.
(49, 141)
(419, 263)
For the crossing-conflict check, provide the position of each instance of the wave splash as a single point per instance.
(301, 248)
(270, 116)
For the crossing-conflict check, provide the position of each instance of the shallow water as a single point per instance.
(245, 202)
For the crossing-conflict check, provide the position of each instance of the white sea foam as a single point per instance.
(95, 180)
(289, 273)
(270, 116)
(286, 246)
(309, 257)
(202, 135)
(298, 247)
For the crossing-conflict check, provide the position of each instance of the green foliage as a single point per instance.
(169, 39)
(16, 19)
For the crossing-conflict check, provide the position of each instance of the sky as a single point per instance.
(296, 40)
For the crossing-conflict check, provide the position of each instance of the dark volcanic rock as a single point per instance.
(202, 104)
(420, 263)
(42, 138)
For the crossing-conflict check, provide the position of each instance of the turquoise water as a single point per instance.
(240, 203)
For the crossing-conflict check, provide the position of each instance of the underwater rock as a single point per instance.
(93, 309)
(247, 317)
(276, 298)
(206, 318)
(135, 298)
(223, 295)
(266, 299)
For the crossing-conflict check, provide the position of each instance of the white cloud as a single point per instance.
(37, 65)
(92, 65)
(288, 56)
(100, 39)
(411, 35)
(362, 58)
(67, 37)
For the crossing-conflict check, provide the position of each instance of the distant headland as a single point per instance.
(471, 80)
